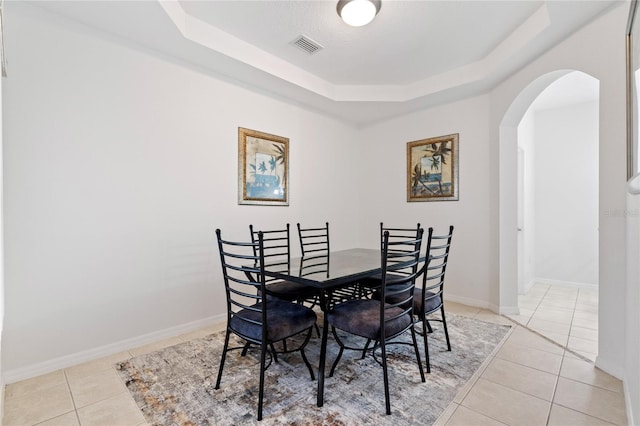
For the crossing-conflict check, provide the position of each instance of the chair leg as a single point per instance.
(335, 363)
(426, 345)
(428, 325)
(245, 349)
(366, 346)
(222, 359)
(304, 356)
(263, 353)
(274, 352)
(415, 346)
(446, 332)
(387, 401)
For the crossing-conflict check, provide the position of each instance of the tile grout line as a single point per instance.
(73, 400)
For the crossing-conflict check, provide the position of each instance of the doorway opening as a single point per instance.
(557, 213)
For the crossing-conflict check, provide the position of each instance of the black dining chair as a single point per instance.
(314, 244)
(314, 241)
(277, 254)
(255, 319)
(369, 284)
(428, 298)
(381, 321)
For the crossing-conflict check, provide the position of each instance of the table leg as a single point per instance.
(324, 300)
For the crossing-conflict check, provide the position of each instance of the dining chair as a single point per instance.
(314, 244)
(381, 321)
(314, 241)
(429, 297)
(255, 319)
(371, 283)
(277, 254)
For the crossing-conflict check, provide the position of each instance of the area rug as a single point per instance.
(175, 386)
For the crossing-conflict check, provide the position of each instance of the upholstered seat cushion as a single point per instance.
(362, 318)
(374, 280)
(433, 301)
(284, 319)
(394, 293)
(288, 290)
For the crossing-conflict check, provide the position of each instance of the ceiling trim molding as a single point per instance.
(206, 35)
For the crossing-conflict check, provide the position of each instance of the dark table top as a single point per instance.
(338, 268)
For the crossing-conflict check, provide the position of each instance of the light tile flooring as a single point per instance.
(566, 315)
(527, 380)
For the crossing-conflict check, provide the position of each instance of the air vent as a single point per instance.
(306, 44)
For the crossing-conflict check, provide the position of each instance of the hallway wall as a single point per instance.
(566, 194)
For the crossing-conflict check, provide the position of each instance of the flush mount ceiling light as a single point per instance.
(358, 12)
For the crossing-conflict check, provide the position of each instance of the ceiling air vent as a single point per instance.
(306, 44)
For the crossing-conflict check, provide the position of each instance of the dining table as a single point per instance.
(329, 273)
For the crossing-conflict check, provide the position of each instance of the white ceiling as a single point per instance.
(415, 53)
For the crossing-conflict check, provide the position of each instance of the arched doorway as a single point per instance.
(567, 276)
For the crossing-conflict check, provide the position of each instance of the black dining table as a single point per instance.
(330, 273)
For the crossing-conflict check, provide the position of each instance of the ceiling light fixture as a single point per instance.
(358, 12)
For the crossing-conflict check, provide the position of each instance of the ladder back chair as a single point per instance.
(381, 321)
(255, 319)
(429, 297)
(277, 254)
(369, 284)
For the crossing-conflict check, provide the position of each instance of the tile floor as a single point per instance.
(566, 315)
(528, 380)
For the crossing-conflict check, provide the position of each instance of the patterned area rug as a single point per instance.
(175, 386)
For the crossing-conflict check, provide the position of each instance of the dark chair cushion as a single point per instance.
(394, 294)
(432, 303)
(362, 318)
(284, 319)
(376, 279)
(290, 291)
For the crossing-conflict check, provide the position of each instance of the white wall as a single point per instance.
(526, 142)
(632, 320)
(119, 166)
(2, 306)
(385, 194)
(566, 194)
(599, 50)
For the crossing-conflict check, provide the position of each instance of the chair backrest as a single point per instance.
(437, 255)
(276, 249)
(314, 244)
(400, 259)
(243, 273)
(398, 235)
(314, 241)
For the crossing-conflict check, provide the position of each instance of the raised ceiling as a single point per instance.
(415, 54)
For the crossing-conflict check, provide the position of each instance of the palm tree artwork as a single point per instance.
(263, 163)
(431, 175)
(265, 170)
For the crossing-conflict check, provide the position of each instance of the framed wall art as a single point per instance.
(263, 168)
(432, 169)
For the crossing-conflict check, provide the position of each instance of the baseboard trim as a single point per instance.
(610, 368)
(565, 283)
(467, 301)
(501, 310)
(29, 371)
(507, 310)
(629, 404)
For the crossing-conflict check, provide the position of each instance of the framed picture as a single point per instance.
(633, 83)
(432, 169)
(263, 168)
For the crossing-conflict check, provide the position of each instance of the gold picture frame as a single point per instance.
(432, 169)
(263, 168)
